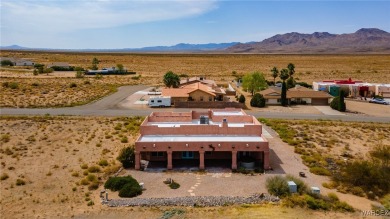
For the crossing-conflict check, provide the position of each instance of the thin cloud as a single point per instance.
(63, 16)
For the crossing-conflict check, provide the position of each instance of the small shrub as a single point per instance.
(13, 85)
(4, 176)
(258, 100)
(320, 171)
(84, 166)
(241, 99)
(20, 182)
(72, 85)
(357, 191)
(127, 186)
(93, 186)
(84, 182)
(5, 138)
(94, 169)
(333, 197)
(277, 186)
(90, 203)
(124, 140)
(103, 163)
(75, 174)
(174, 185)
(91, 178)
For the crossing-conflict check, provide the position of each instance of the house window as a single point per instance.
(210, 99)
(201, 98)
(158, 154)
(279, 100)
(187, 155)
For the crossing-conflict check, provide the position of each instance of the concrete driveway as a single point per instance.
(327, 110)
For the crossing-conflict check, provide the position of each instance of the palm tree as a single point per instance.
(275, 73)
(291, 69)
(284, 75)
(171, 79)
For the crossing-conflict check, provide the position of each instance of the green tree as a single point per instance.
(254, 82)
(284, 75)
(275, 73)
(171, 79)
(120, 68)
(127, 157)
(258, 100)
(6, 63)
(95, 63)
(79, 74)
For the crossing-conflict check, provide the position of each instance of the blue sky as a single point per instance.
(78, 24)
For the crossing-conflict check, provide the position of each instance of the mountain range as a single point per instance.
(365, 40)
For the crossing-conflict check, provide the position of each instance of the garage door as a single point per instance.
(319, 101)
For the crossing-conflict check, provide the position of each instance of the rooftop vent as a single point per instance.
(204, 120)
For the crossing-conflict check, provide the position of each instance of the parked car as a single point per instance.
(379, 101)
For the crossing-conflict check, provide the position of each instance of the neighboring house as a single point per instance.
(191, 92)
(296, 95)
(218, 91)
(59, 64)
(19, 62)
(224, 137)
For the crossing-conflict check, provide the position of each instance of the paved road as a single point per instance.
(108, 106)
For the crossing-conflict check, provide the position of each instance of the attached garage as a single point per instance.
(319, 101)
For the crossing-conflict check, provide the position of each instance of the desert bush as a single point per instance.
(4, 176)
(5, 138)
(94, 169)
(277, 186)
(20, 182)
(111, 169)
(7, 63)
(357, 191)
(320, 171)
(127, 186)
(84, 166)
(93, 186)
(385, 201)
(75, 174)
(127, 157)
(129, 191)
(84, 182)
(174, 185)
(241, 99)
(124, 140)
(79, 74)
(257, 100)
(103, 163)
(91, 178)
(72, 85)
(12, 85)
(301, 186)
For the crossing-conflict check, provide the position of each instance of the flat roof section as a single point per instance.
(228, 113)
(200, 138)
(196, 122)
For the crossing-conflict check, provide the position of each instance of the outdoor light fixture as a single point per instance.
(154, 145)
(247, 145)
(219, 145)
(186, 145)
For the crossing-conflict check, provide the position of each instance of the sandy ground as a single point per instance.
(47, 153)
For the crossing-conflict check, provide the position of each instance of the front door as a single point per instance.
(187, 155)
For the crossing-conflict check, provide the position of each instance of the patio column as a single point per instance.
(201, 160)
(234, 160)
(266, 160)
(169, 166)
(137, 160)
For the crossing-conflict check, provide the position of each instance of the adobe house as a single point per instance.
(226, 135)
(297, 94)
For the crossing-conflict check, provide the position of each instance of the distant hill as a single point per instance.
(365, 40)
(182, 47)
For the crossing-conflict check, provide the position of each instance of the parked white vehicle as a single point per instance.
(159, 101)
